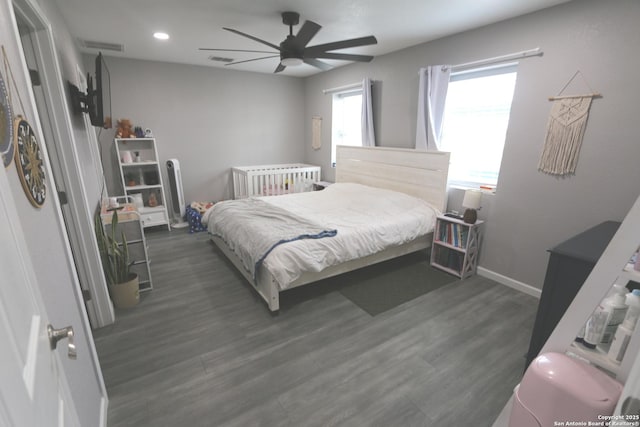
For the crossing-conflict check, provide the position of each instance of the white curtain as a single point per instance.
(432, 93)
(368, 135)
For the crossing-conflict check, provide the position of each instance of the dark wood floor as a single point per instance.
(202, 349)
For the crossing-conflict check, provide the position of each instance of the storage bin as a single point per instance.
(558, 389)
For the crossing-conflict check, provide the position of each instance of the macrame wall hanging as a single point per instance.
(565, 130)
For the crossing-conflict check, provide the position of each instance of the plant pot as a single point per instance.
(127, 294)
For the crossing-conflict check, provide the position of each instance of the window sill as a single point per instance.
(472, 186)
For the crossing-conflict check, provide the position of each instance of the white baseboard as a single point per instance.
(507, 281)
(104, 406)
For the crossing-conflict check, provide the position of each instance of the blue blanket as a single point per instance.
(194, 218)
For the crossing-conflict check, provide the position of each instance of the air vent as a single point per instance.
(220, 59)
(114, 47)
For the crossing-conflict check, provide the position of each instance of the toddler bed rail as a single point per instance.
(270, 180)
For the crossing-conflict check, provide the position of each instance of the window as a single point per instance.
(346, 127)
(474, 126)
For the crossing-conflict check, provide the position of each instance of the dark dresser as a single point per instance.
(569, 266)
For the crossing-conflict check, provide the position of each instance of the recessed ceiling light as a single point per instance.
(161, 36)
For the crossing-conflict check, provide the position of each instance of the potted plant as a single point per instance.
(123, 284)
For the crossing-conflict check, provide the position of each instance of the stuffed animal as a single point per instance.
(201, 207)
(125, 129)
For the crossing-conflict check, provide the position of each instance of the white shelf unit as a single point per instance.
(598, 357)
(129, 222)
(142, 175)
(612, 267)
(456, 245)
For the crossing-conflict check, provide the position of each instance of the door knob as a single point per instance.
(56, 335)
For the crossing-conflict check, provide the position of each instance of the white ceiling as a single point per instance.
(192, 24)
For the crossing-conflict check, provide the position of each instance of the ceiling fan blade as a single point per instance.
(252, 38)
(307, 32)
(279, 68)
(361, 41)
(235, 50)
(344, 56)
(318, 64)
(254, 59)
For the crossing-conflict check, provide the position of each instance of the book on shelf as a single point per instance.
(454, 234)
(455, 260)
(449, 258)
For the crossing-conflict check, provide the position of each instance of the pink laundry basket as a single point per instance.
(557, 388)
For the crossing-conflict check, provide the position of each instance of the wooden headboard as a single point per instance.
(418, 173)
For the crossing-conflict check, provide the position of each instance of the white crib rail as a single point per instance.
(270, 180)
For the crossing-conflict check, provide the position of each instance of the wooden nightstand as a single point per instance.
(456, 245)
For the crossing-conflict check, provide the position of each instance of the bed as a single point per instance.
(397, 181)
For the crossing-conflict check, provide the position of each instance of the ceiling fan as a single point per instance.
(294, 50)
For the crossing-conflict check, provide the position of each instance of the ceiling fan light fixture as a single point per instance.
(295, 49)
(291, 61)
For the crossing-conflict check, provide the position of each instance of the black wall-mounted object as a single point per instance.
(95, 102)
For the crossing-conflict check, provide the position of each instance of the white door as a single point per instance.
(38, 278)
(33, 386)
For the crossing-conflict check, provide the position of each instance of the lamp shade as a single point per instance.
(472, 199)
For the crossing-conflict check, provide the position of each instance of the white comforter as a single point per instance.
(368, 220)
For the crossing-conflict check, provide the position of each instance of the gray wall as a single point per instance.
(71, 65)
(205, 116)
(210, 119)
(530, 212)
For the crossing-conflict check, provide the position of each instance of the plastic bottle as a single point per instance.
(633, 314)
(617, 307)
(594, 329)
(605, 319)
(625, 330)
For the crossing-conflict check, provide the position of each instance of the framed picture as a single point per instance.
(29, 162)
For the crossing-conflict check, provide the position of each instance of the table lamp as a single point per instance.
(471, 201)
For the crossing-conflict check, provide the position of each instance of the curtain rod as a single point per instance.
(497, 59)
(345, 87)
